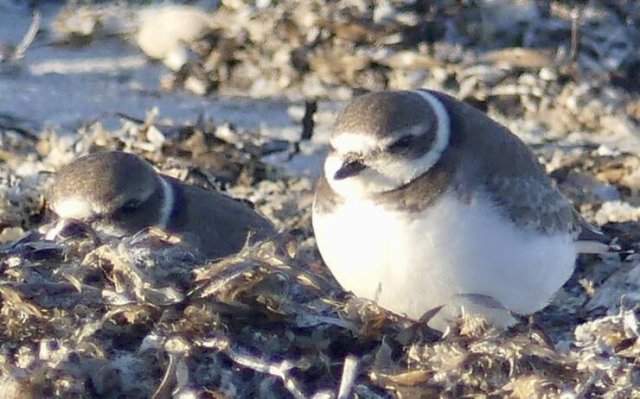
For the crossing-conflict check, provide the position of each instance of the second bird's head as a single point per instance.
(115, 192)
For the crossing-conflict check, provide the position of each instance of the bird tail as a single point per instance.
(595, 247)
(592, 240)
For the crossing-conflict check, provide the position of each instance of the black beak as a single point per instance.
(348, 169)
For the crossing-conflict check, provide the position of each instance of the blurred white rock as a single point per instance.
(165, 32)
(617, 211)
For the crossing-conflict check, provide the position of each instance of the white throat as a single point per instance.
(380, 178)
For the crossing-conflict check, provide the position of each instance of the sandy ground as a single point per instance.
(62, 87)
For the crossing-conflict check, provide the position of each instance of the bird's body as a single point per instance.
(413, 262)
(462, 207)
(224, 225)
(121, 194)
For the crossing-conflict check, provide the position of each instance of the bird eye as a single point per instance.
(401, 144)
(131, 205)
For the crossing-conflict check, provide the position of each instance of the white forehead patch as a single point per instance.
(74, 208)
(347, 142)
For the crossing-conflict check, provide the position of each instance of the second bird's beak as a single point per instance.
(348, 169)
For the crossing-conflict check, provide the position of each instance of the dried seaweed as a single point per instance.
(146, 317)
(86, 315)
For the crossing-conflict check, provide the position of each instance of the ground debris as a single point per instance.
(565, 65)
(84, 315)
(147, 317)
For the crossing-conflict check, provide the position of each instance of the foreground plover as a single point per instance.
(121, 194)
(427, 202)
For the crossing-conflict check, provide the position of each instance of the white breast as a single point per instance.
(412, 262)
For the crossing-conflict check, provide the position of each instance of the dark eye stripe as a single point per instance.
(402, 144)
(131, 205)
